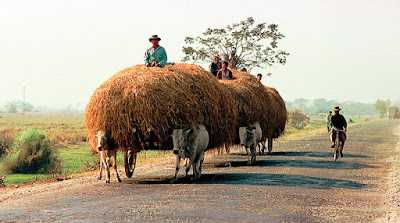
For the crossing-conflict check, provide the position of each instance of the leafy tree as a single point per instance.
(382, 106)
(297, 120)
(243, 44)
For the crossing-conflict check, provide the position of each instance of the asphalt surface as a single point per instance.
(299, 182)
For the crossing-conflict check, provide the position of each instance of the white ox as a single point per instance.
(106, 152)
(250, 137)
(190, 143)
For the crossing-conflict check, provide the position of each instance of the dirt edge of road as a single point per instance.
(392, 197)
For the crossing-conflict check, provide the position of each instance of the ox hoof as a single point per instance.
(119, 180)
(107, 181)
(98, 178)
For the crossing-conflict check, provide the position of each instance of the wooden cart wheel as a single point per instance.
(130, 162)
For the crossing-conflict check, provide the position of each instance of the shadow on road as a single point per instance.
(260, 179)
(314, 164)
(339, 165)
(314, 154)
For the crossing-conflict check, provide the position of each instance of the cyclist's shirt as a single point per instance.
(338, 121)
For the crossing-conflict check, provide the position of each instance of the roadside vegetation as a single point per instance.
(31, 152)
(65, 135)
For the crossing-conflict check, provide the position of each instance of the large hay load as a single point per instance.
(139, 99)
(278, 114)
(251, 100)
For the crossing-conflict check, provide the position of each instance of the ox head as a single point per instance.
(180, 138)
(101, 140)
(247, 135)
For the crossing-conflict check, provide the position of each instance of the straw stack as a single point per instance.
(278, 113)
(257, 103)
(138, 99)
(251, 100)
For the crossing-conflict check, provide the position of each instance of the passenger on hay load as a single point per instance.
(215, 66)
(224, 73)
(259, 77)
(156, 55)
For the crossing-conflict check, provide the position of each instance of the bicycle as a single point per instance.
(338, 146)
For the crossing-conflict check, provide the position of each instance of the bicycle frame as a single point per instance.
(338, 144)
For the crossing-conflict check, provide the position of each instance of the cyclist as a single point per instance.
(337, 121)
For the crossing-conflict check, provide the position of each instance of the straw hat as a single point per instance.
(154, 37)
(336, 108)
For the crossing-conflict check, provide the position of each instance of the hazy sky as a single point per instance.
(61, 51)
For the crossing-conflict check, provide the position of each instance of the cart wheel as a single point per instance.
(130, 162)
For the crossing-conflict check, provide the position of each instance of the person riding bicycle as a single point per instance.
(338, 122)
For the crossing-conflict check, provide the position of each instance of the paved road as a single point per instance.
(299, 182)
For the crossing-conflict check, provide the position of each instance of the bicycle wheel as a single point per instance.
(336, 149)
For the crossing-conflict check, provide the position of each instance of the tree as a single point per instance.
(23, 106)
(243, 44)
(382, 106)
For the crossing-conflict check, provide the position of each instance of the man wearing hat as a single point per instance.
(339, 122)
(156, 55)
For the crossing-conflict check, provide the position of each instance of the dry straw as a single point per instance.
(257, 103)
(278, 113)
(139, 98)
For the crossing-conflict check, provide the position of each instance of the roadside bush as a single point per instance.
(31, 153)
(297, 120)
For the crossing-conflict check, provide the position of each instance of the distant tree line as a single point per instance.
(18, 106)
(321, 105)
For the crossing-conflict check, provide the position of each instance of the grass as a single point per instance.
(63, 129)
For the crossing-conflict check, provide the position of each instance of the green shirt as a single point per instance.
(159, 55)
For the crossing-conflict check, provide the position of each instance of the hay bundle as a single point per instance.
(251, 100)
(139, 98)
(278, 113)
(256, 102)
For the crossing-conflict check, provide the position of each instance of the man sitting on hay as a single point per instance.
(156, 55)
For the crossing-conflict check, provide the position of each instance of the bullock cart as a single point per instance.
(140, 106)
